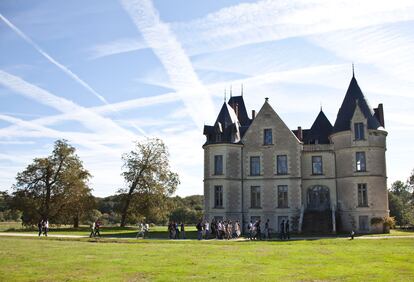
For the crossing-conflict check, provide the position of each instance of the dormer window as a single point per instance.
(359, 131)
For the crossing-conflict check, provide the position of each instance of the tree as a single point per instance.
(400, 203)
(147, 173)
(52, 187)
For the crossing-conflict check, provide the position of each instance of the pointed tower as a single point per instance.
(222, 162)
(359, 141)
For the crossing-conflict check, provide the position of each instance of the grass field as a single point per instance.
(47, 259)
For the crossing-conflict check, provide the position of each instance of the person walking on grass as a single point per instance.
(92, 230)
(45, 227)
(140, 230)
(282, 230)
(97, 228)
(177, 231)
(207, 229)
(199, 230)
(258, 230)
(287, 230)
(250, 229)
(40, 227)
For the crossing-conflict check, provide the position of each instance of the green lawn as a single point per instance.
(48, 259)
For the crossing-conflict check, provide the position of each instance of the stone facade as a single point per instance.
(330, 175)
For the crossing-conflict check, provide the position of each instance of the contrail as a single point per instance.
(167, 48)
(53, 61)
(62, 67)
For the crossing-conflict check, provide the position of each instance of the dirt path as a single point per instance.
(11, 234)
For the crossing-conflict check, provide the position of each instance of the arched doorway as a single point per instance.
(318, 198)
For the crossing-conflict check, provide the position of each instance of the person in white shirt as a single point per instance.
(207, 227)
(45, 227)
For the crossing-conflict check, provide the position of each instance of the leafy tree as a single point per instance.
(147, 173)
(400, 203)
(53, 187)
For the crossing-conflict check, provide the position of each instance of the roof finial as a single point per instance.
(231, 92)
(321, 106)
(242, 89)
(225, 98)
(353, 71)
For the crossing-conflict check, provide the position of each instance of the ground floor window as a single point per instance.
(363, 223)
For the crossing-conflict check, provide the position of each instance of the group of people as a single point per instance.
(43, 227)
(284, 230)
(255, 230)
(225, 229)
(143, 229)
(95, 229)
(176, 229)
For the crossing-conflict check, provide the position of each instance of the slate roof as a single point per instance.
(320, 130)
(226, 129)
(237, 103)
(352, 96)
(233, 121)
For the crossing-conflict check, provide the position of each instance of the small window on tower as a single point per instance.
(360, 161)
(359, 131)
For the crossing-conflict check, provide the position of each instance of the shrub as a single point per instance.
(377, 220)
(389, 221)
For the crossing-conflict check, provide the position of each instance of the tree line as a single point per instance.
(57, 188)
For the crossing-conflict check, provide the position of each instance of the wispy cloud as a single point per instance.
(268, 20)
(163, 42)
(388, 48)
(52, 60)
(63, 68)
(89, 119)
(118, 46)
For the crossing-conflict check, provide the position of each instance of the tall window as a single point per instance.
(363, 223)
(317, 165)
(362, 195)
(218, 196)
(282, 167)
(360, 161)
(218, 164)
(267, 136)
(282, 196)
(359, 131)
(255, 197)
(255, 166)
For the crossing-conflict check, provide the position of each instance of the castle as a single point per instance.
(323, 179)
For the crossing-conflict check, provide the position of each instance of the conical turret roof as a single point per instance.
(353, 96)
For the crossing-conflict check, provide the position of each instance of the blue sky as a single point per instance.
(102, 74)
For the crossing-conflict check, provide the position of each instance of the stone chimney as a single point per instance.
(379, 114)
(299, 133)
(253, 114)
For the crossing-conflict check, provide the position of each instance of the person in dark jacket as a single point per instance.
(40, 227)
(287, 230)
(199, 230)
(282, 230)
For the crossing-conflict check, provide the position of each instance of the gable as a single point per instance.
(267, 118)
